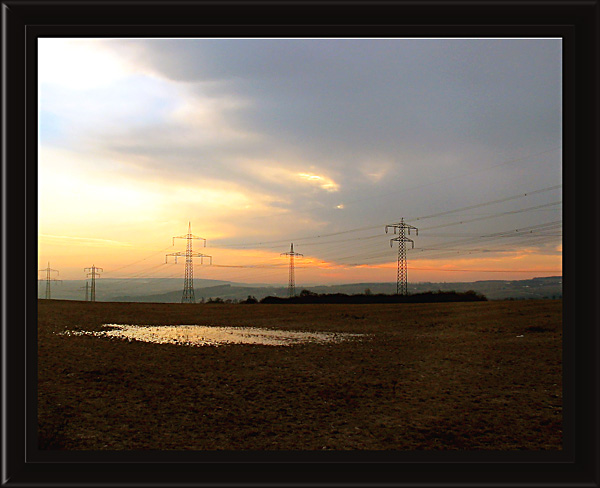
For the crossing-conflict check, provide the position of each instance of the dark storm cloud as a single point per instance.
(379, 92)
(417, 110)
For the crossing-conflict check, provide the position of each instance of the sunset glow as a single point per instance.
(260, 147)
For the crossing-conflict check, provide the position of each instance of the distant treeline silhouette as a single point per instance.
(307, 296)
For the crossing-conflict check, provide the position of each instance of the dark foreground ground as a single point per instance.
(484, 375)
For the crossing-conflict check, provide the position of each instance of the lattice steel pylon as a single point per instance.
(93, 272)
(87, 290)
(402, 275)
(188, 284)
(48, 279)
(292, 280)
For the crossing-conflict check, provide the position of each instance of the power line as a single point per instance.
(138, 261)
(331, 245)
(456, 176)
(526, 232)
(446, 253)
(493, 202)
(247, 266)
(358, 229)
(501, 214)
(492, 270)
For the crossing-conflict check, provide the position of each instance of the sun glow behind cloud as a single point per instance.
(103, 194)
(85, 240)
(79, 64)
(321, 181)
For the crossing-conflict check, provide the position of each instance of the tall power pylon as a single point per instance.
(93, 273)
(48, 280)
(188, 284)
(292, 281)
(402, 228)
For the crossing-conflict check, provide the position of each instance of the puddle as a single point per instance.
(199, 335)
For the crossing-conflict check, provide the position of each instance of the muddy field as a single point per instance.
(464, 376)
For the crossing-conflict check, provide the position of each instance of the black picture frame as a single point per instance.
(576, 22)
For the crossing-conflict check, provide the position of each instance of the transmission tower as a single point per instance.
(48, 280)
(402, 228)
(292, 283)
(87, 290)
(188, 284)
(93, 273)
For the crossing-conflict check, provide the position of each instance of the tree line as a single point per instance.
(307, 296)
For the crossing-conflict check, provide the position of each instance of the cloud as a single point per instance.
(87, 240)
(273, 137)
(321, 181)
(79, 64)
(356, 100)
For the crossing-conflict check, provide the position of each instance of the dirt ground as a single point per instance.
(460, 376)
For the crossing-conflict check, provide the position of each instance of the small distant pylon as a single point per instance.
(48, 279)
(188, 284)
(402, 274)
(93, 273)
(87, 290)
(292, 280)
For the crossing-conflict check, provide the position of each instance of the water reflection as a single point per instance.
(198, 335)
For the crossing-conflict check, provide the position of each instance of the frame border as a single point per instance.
(576, 22)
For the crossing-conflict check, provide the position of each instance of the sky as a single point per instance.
(260, 143)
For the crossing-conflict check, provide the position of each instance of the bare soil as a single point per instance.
(460, 376)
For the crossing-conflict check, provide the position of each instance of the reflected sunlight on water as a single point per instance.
(199, 335)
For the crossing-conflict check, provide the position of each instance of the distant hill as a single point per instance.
(550, 287)
(109, 289)
(308, 297)
(226, 292)
(169, 290)
(547, 287)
